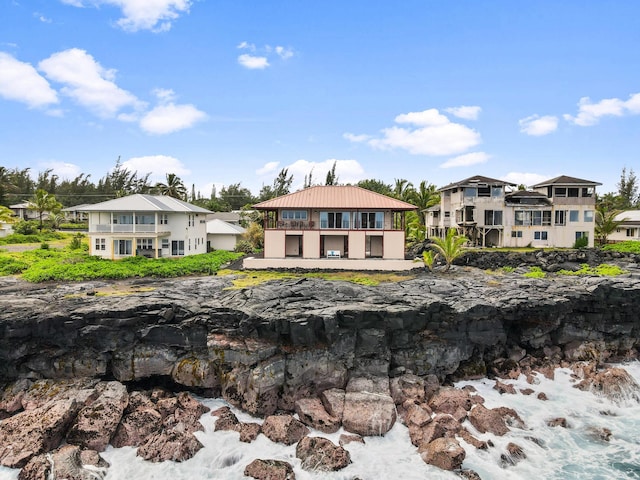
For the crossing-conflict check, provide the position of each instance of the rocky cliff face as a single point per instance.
(265, 347)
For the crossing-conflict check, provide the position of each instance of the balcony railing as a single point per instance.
(311, 225)
(125, 228)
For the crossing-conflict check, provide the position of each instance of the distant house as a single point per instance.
(491, 212)
(222, 235)
(233, 217)
(24, 212)
(76, 213)
(629, 229)
(344, 227)
(149, 225)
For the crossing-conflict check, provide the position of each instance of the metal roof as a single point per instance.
(566, 180)
(220, 227)
(476, 180)
(339, 197)
(629, 217)
(143, 203)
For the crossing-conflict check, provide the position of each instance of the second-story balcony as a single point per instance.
(127, 228)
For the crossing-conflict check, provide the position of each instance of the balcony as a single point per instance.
(126, 228)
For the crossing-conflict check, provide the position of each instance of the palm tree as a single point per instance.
(425, 196)
(403, 189)
(42, 201)
(173, 188)
(449, 247)
(606, 223)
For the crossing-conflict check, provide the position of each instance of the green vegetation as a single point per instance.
(76, 264)
(630, 246)
(602, 270)
(449, 248)
(251, 279)
(582, 242)
(535, 272)
(45, 236)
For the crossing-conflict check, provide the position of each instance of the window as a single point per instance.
(561, 217)
(123, 219)
(539, 235)
(561, 192)
(122, 247)
(335, 219)
(533, 217)
(177, 247)
(493, 217)
(573, 192)
(101, 244)
(144, 243)
(372, 220)
(588, 191)
(484, 191)
(294, 215)
(470, 192)
(631, 232)
(164, 219)
(165, 243)
(496, 191)
(516, 234)
(588, 215)
(145, 219)
(580, 235)
(447, 214)
(574, 215)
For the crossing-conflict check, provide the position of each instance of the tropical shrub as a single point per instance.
(535, 272)
(581, 242)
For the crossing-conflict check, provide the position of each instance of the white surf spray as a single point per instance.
(576, 452)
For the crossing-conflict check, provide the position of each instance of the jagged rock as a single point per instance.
(136, 425)
(469, 474)
(186, 416)
(470, 439)
(270, 470)
(514, 454)
(542, 396)
(35, 431)
(368, 407)
(68, 462)
(284, 429)
(346, 439)
(444, 453)
(417, 415)
(96, 423)
(333, 402)
(527, 391)
(614, 383)
(320, 454)
(249, 431)
(407, 387)
(227, 420)
(11, 397)
(311, 412)
(451, 400)
(485, 420)
(600, 433)
(557, 422)
(504, 388)
(169, 445)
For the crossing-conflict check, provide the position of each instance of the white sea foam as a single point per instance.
(569, 453)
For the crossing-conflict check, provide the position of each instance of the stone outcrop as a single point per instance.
(270, 470)
(283, 429)
(320, 454)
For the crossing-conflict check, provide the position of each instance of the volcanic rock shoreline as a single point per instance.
(297, 345)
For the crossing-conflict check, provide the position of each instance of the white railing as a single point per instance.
(128, 228)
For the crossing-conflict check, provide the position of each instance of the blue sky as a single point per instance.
(221, 92)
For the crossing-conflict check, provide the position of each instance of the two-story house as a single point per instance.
(491, 212)
(629, 228)
(150, 225)
(340, 227)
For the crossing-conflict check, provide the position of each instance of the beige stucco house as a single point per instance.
(629, 229)
(150, 225)
(492, 212)
(338, 227)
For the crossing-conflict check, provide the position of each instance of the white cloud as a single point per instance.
(247, 46)
(21, 82)
(435, 135)
(425, 118)
(268, 168)
(164, 95)
(466, 160)
(253, 62)
(284, 53)
(154, 15)
(63, 170)
(589, 113)
(356, 138)
(157, 165)
(465, 112)
(170, 118)
(528, 179)
(347, 171)
(537, 126)
(87, 82)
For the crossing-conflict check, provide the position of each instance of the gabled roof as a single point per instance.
(220, 227)
(231, 217)
(566, 180)
(475, 181)
(339, 197)
(143, 203)
(629, 217)
(527, 197)
(77, 207)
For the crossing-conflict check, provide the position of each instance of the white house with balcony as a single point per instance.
(149, 225)
(629, 228)
(492, 212)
